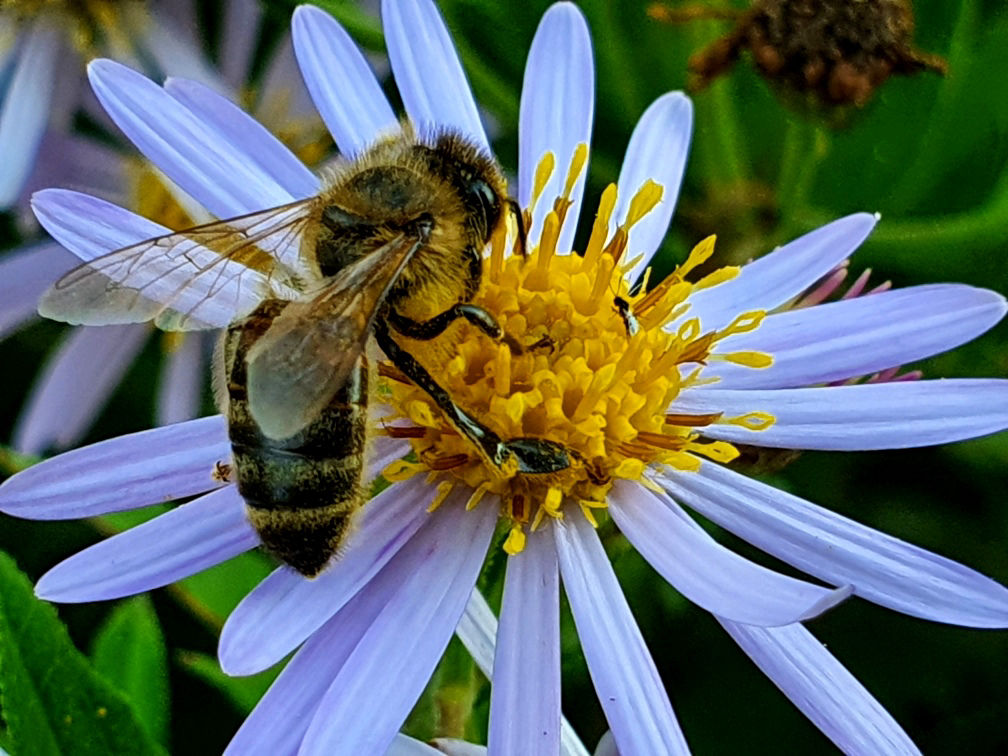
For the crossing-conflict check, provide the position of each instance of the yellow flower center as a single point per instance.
(599, 368)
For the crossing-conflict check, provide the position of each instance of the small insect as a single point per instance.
(629, 319)
(393, 244)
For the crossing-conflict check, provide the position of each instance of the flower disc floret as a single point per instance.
(584, 364)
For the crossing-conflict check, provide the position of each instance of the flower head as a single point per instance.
(646, 391)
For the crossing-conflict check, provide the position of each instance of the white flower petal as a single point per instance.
(657, 151)
(180, 392)
(557, 108)
(707, 573)
(525, 692)
(477, 629)
(389, 667)
(24, 274)
(782, 275)
(855, 337)
(190, 538)
(238, 40)
(455, 747)
(75, 384)
(622, 670)
(839, 551)
(896, 415)
(174, 52)
(427, 71)
(606, 745)
(822, 688)
(284, 609)
(403, 745)
(90, 227)
(270, 156)
(191, 151)
(342, 84)
(24, 110)
(122, 473)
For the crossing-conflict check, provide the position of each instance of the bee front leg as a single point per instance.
(480, 318)
(528, 455)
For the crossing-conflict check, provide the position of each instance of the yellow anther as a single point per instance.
(747, 321)
(719, 276)
(754, 421)
(746, 359)
(577, 164)
(588, 514)
(401, 470)
(719, 451)
(420, 413)
(548, 240)
(444, 488)
(477, 496)
(502, 370)
(543, 172)
(644, 201)
(600, 229)
(515, 542)
(689, 330)
(697, 256)
(552, 501)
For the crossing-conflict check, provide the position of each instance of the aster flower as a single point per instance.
(647, 389)
(84, 370)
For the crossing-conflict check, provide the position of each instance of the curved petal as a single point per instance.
(180, 392)
(24, 274)
(625, 678)
(477, 629)
(707, 573)
(24, 110)
(427, 71)
(782, 275)
(855, 337)
(90, 227)
(122, 473)
(525, 691)
(389, 667)
(188, 539)
(880, 568)
(284, 609)
(822, 688)
(76, 383)
(557, 108)
(896, 415)
(657, 151)
(190, 150)
(342, 84)
(260, 148)
(238, 40)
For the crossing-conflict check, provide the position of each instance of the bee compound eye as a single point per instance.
(488, 202)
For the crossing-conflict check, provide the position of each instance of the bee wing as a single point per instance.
(306, 354)
(204, 277)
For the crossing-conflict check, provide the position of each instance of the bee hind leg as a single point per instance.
(476, 315)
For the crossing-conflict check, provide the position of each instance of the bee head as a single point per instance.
(478, 180)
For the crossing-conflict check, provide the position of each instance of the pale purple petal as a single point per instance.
(707, 573)
(239, 38)
(342, 84)
(283, 95)
(839, 551)
(188, 539)
(75, 384)
(88, 226)
(389, 667)
(24, 275)
(657, 151)
(24, 110)
(72, 161)
(822, 688)
(854, 337)
(557, 108)
(427, 71)
(284, 609)
(782, 275)
(260, 148)
(383, 452)
(606, 745)
(122, 473)
(176, 53)
(189, 149)
(622, 670)
(525, 690)
(477, 629)
(180, 392)
(897, 415)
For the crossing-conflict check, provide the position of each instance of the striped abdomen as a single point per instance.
(302, 491)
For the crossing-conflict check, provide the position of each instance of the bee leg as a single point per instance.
(529, 455)
(480, 318)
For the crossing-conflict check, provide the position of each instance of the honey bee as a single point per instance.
(393, 244)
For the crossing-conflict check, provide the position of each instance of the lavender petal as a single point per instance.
(24, 275)
(180, 392)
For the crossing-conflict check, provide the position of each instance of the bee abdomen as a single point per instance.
(301, 492)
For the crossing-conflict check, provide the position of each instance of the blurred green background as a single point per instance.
(928, 153)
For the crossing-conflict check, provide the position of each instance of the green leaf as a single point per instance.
(243, 692)
(129, 651)
(52, 700)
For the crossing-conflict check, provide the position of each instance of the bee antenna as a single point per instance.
(520, 222)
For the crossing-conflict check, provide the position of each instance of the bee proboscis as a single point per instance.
(394, 236)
